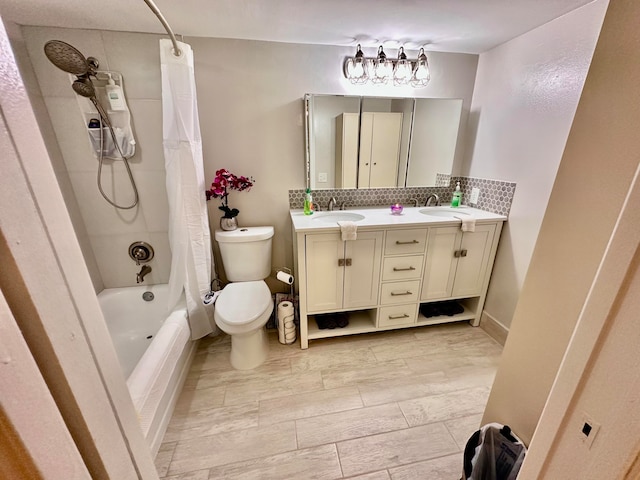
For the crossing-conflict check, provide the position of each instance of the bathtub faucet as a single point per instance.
(141, 274)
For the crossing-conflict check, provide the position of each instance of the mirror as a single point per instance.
(377, 142)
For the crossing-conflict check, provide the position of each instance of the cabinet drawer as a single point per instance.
(400, 292)
(397, 315)
(402, 268)
(400, 242)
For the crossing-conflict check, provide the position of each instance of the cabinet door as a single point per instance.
(440, 262)
(385, 149)
(472, 266)
(362, 277)
(324, 275)
(347, 150)
(366, 145)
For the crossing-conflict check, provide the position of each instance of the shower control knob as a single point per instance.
(141, 252)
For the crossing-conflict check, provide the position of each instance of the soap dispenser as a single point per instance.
(114, 95)
(308, 202)
(457, 196)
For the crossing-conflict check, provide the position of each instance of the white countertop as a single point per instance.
(381, 217)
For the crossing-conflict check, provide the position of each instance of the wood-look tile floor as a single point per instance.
(392, 405)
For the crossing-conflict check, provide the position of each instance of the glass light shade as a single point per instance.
(421, 74)
(382, 68)
(402, 69)
(355, 68)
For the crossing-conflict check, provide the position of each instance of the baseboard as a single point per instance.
(494, 328)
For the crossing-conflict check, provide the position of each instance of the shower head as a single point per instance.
(68, 58)
(84, 87)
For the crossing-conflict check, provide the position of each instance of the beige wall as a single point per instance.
(594, 175)
(251, 115)
(524, 101)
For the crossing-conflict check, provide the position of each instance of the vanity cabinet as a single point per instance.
(392, 276)
(341, 275)
(456, 262)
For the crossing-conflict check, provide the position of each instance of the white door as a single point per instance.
(362, 272)
(324, 275)
(473, 262)
(385, 149)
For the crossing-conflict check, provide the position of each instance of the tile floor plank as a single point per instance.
(350, 424)
(397, 448)
(437, 469)
(434, 408)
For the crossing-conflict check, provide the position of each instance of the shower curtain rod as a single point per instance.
(176, 51)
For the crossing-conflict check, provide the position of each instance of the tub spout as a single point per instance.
(141, 274)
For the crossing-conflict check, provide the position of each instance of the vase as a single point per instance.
(228, 224)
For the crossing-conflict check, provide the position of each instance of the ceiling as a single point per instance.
(468, 26)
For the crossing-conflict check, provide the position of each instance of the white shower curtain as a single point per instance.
(189, 236)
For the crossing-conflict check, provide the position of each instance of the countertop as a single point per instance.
(379, 217)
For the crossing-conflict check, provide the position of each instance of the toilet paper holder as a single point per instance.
(284, 275)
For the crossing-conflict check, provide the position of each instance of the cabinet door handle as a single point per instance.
(396, 269)
(341, 262)
(348, 262)
(394, 294)
(460, 253)
(463, 253)
(456, 254)
(398, 242)
(396, 317)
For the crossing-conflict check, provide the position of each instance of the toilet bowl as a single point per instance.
(245, 305)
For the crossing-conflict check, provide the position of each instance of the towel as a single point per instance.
(348, 230)
(468, 223)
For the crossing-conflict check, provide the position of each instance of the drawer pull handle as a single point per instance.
(396, 269)
(398, 242)
(396, 317)
(394, 294)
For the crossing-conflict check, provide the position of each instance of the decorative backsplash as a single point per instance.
(495, 195)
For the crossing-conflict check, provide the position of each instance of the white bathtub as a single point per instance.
(154, 349)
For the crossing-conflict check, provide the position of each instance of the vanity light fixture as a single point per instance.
(380, 70)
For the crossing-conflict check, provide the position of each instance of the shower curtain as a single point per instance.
(189, 236)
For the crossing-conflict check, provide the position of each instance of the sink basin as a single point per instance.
(443, 212)
(333, 217)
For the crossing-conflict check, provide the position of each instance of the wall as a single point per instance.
(251, 115)
(524, 101)
(597, 167)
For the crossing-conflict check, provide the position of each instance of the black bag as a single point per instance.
(493, 453)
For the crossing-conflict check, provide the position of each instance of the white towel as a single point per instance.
(468, 223)
(349, 230)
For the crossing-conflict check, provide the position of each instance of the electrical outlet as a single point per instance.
(475, 194)
(322, 177)
(588, 430)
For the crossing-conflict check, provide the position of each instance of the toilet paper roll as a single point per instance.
(286, 326)
(284, 277)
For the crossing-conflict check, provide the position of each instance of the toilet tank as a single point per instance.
(246, 253)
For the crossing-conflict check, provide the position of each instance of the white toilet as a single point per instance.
(243, 307)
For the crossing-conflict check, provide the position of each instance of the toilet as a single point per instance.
(244, 306)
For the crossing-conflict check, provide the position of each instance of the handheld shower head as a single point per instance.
(83, 87)
(67, 58)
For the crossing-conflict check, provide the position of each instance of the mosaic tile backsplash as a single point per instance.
(495, 195)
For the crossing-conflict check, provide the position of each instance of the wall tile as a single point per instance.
(152, 191)
(99, 217)
(146, 118)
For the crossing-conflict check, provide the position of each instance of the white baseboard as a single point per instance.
(494, 328)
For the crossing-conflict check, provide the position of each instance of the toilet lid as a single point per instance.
(243, 302)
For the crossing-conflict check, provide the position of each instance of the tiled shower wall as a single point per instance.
(495, 195)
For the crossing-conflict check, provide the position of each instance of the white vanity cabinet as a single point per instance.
(456, 262)
(396, 274)
(340, 274)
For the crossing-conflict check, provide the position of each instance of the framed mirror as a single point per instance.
(378, 142)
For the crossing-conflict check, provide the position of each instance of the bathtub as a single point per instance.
(155, 351)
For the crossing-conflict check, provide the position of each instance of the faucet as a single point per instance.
(343, 206)
(141, 274)
(432, 196)
(331, 204)
(416, 202)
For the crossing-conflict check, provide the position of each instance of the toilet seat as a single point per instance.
(242, 303)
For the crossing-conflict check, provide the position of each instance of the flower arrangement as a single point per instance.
(222, 183)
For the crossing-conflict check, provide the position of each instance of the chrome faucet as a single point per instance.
(432, 196)
(141, 274)
(416, 202)
(331, 204)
